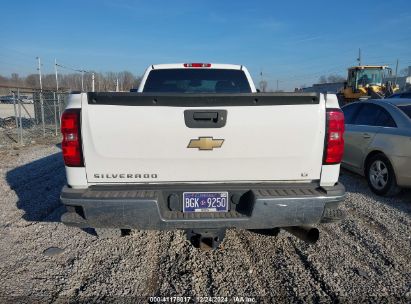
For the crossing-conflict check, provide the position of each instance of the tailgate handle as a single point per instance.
(207, 116)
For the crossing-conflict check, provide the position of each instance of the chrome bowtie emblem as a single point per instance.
(205, 143)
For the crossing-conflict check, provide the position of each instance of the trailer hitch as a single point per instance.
(205, 239)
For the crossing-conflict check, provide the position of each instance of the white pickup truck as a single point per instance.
(198, 148)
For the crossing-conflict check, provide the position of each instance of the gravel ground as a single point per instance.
(31, 134)
(366, 257)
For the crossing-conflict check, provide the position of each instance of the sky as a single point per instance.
(292, 42)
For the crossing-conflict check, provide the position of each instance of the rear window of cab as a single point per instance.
(197, 81)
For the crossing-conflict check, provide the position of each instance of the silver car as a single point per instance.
(378, 143)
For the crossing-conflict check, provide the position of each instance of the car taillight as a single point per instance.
(197, 65)
(334, 144)
(71, 144)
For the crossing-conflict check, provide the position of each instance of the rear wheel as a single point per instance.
(380, 176)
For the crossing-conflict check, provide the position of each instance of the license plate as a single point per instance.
(205, 201)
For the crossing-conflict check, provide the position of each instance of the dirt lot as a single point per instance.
(366, 257)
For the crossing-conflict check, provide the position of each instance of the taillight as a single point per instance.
(334, 144)
(197, 65)
(71, 144)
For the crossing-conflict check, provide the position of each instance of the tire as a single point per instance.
(380, 176)
(108, 233)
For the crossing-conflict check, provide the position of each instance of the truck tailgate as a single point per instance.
(140, 138)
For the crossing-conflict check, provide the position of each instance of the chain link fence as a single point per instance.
(30, 116)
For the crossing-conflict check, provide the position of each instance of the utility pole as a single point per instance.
(57, 93)
(57, 79)
(396, 73)
(92, 82)
(41, 98)
(262, 83)
(359, 57)
(39, 69)
(82, 80)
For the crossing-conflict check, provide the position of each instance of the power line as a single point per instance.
(71, 69)
(82, 71)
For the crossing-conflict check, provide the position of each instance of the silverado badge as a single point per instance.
(205, 143)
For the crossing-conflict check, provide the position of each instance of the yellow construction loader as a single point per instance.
(366, 81)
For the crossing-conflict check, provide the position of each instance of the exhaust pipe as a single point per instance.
(307, 234)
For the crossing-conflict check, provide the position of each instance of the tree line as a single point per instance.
(73, 81)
